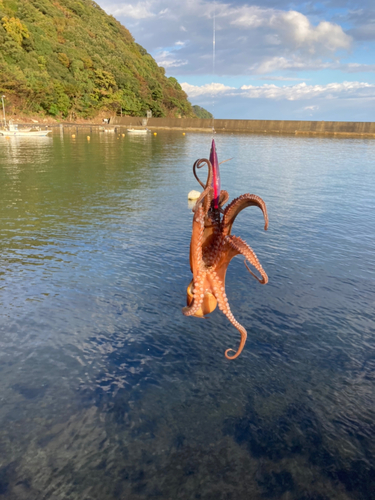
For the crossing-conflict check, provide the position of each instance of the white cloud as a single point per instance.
(281, 78)
(291, 92)
(168, 60)
(304, 91)
(249, 39)
(298, 63)
(311, 108)
(358, 68)
(269, 39)
(293, 29)
(295, 63)
(365, 30)
(139, 10)
(207, 89)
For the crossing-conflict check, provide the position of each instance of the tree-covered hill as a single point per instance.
(202, 113)
(69, 58)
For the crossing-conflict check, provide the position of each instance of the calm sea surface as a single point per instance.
(108, 392)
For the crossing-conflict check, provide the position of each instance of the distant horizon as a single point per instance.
(273, 59)
(292, 120)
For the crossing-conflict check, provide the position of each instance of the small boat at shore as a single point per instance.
(13, 130)
(138, 131)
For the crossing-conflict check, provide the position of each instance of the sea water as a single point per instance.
(108, 392)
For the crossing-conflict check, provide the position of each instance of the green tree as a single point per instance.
(15, 29)
(201, 112)
(63, 56)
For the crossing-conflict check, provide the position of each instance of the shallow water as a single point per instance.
(109, 392)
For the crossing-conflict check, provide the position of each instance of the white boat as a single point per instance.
(138, 130)
(12, 129)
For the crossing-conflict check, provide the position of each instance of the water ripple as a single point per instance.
(108, 391)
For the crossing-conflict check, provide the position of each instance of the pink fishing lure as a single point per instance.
(215, 174)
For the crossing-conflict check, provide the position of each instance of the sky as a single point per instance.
(270, 59)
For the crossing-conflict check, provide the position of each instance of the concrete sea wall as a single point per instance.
(354, 129)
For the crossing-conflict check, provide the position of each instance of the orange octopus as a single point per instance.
(213, 246)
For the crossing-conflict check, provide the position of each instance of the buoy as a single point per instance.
(123, 135)
(155, 133)
(7, 137)
(88, 137)
(183, 133)
(193, 195)
(73, 136)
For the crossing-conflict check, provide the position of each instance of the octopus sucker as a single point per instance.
(213, 246)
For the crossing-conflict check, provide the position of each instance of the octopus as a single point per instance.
(213, 246)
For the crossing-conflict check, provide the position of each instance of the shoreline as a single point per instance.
(274, 127)
(262, 127)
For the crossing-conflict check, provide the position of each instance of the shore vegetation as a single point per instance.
(202, 113)
(69, 59)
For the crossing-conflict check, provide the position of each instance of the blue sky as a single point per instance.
(273, 59)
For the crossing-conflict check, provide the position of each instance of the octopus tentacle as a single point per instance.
(207, 188)
(224, 161)
(219, 292)
(198, 296)
(208, 199)
(196, 255)
(209, 301)
(204, 199)
(212, 236)
(238, 204)
(244, 249)
(224, 197)
(199, 164)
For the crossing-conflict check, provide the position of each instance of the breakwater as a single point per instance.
(353, 129)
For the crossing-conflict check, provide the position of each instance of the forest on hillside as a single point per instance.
(68, 58)
(202, 113)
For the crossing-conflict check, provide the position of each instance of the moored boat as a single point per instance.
(138, 130)
(13, 130)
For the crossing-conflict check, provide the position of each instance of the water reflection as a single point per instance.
(15, 150)
(109, 392)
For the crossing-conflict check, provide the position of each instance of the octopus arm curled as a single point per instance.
(223, 304)
(237, 205)
(244, 249)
